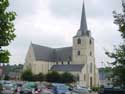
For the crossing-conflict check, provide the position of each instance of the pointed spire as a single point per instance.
(83, 26)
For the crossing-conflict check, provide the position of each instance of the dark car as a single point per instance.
(112, 91)
(28, 88)
(59, 88)
(26, 91)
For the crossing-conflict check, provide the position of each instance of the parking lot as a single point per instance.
(20, 87)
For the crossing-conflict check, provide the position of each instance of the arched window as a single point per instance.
(90, 41)
(90, 53)
(91, 82)
(90, 67)
(84, 77)
(78, 53)
(79, 41)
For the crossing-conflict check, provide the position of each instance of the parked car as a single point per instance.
(9, 88)
(112, 91)
(18, 88)
(89, 89)
(60, 89)
(80, 91)
(26, 91)
(28, 88)
(47, 90)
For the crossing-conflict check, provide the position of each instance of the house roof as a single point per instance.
(52, 54)
(68, 68)
(104, 73)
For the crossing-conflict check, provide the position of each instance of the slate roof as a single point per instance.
(52, 54)
(42, 52)
(68, 68)
(64, 54)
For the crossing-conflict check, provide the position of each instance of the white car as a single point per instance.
(46, 91)
(80, 91)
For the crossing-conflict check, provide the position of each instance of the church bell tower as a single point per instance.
(83, 43)
(83, 49)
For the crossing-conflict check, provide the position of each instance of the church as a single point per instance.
(78, 59)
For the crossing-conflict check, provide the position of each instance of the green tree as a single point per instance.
(67, 77)
(6, 77)
(53, 77)
(39, 77)
(6, 30)
(27, 75)
(119, 52)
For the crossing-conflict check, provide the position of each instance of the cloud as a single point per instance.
(94, 8)
(27, 7)
(54, 22)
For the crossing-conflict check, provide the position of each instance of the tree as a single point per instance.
(53, 77)
(60, 77)
(6, 30)
(27, 75)
(67, 77)
(119, 52)
(6, 77)
(39, 77)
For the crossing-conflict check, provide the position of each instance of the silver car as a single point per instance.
(80, 91)
(9, 88)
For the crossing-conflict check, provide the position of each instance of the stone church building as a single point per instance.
(78, 59)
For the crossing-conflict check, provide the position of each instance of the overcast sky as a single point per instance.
(53, 23)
